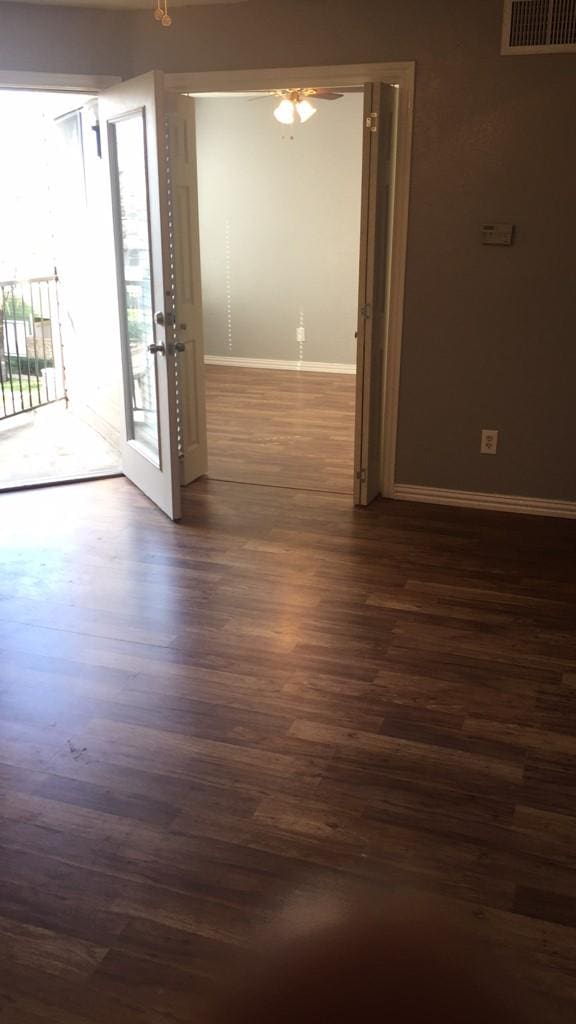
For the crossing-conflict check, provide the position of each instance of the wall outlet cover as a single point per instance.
(489, 442)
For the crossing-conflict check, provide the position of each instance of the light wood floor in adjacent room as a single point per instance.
(211, 725)
(281, 428)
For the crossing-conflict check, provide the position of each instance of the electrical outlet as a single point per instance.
(489, 442)
(300, 335)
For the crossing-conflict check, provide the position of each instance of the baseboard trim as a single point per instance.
(495, 502)
(280, 364)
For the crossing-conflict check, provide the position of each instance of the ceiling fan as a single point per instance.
(296, 103)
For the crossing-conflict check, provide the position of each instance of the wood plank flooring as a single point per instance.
(209, 726)
(281, 428)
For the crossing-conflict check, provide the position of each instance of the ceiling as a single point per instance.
(125, 5)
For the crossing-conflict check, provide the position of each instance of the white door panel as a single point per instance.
(188, 339)
(132, 125)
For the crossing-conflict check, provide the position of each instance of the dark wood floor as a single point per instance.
(281, 428)
(204, 726)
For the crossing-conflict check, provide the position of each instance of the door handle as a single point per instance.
(179, 346)
(157, 348)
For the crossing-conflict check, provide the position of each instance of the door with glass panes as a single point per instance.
(148, 141)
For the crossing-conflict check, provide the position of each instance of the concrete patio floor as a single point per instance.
(50, 445)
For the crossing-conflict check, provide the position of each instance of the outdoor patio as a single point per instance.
(50, 445)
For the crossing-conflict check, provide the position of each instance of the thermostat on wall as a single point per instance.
(497, 234)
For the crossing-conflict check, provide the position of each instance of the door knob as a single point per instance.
(157, 348)
(179, 346)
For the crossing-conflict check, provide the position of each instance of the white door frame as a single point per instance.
(46, 81)
(402, 76)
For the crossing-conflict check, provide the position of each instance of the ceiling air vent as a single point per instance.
(539, 26)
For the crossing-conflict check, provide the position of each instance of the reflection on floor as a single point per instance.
(49, 445)
(281, 428)
(242, 725)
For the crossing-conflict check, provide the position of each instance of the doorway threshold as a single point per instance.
(50, 446)
(309, 488)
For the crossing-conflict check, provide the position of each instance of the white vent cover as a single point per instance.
(539, 26)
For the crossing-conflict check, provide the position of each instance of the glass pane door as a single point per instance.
(132, 126)
(137, 312)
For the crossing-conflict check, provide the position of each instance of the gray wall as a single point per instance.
(280, 226)
(64, 39)
(489, 336)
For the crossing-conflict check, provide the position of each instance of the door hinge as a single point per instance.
(366, 311)
(372, 122)
(361, 476)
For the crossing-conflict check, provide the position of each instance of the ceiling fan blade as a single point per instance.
(328, 95)
(316, 94)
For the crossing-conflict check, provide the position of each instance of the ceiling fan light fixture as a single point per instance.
(305, 110)
(284, 112)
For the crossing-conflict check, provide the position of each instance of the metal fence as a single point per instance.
(31, 363)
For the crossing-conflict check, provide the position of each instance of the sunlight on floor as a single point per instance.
(50, 445)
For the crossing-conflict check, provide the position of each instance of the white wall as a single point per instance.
(280, 222)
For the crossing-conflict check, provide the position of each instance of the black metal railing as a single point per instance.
(31, 363)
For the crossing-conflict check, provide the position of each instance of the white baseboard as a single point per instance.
(475, 499)
(280, 364)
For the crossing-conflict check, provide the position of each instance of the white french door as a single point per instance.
(157, 273)
(187, 286)
(149, 141)
(379, 113)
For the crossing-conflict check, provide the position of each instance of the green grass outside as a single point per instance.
(31, 394)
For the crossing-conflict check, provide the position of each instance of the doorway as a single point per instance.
(163, 329)
(279, 215)
(169, 229)
(46, 432)
(388, 91)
